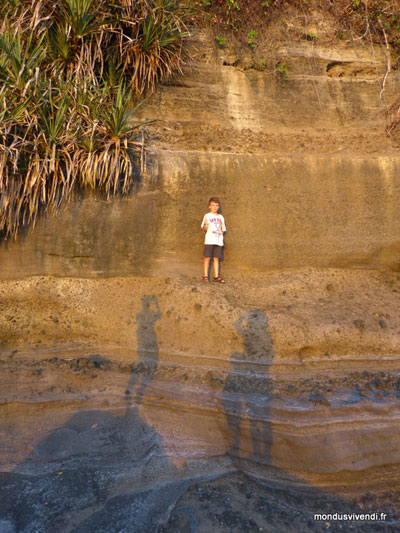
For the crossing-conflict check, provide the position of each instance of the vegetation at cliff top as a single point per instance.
(72, 75)
(376, 20)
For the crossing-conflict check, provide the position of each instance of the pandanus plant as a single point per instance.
(73, 73)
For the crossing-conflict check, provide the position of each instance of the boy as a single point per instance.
(214, 226)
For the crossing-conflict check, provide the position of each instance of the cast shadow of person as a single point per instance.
(147, 347)
(247, 399)
(245, 408)
(104, 469)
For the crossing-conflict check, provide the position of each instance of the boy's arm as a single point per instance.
(223, 225)
(204, 223)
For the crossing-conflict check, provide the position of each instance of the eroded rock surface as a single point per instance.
(291, 136)
(127, 393)
(153, 401)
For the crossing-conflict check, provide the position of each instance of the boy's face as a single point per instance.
(214, 206)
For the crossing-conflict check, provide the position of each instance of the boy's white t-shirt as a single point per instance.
(215, 229)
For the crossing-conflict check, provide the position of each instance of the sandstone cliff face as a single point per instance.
(297, 152)
(289, 373)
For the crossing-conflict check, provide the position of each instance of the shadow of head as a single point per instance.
(258, 344)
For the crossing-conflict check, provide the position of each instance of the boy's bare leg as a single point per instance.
(206, 265)
(216, 267)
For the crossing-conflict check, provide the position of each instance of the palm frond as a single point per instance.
(73, 74)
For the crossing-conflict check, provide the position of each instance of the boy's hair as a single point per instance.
(214, 199)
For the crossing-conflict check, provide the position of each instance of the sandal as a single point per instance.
(205, 278)
(218, 279)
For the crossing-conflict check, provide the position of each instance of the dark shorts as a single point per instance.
(213, 250)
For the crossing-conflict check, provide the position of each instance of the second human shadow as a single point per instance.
(246, 410)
